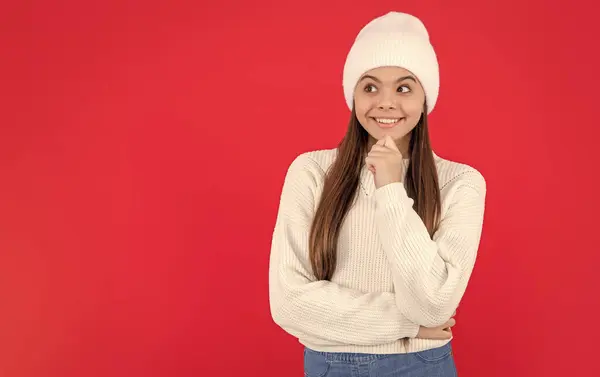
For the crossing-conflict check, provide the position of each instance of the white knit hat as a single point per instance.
(394, 39)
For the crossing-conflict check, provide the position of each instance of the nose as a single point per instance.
(387, 102)
(387, 106)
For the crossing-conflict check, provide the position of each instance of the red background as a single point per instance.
(143, 146)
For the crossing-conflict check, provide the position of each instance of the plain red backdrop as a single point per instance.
(143, 145)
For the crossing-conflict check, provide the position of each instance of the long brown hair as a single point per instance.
(341, 185)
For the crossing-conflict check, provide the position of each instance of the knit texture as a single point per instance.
(394, 39)
(391, 276)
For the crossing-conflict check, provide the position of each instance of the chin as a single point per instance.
(396, 134)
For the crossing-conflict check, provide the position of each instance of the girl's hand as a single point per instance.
(385, 162)
(443, 332)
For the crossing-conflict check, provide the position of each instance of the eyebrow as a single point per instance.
(379, 81)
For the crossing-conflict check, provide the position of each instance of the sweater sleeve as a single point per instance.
(431, 273)
(324, 312)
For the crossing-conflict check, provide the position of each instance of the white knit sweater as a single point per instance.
(391, 276)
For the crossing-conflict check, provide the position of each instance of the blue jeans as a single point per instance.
(437, 362)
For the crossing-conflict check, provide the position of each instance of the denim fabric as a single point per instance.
(437, 362)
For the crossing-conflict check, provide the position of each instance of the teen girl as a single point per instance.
(376, 239)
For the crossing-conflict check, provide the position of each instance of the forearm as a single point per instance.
(326, 311)
(430, 274)
(323, 309)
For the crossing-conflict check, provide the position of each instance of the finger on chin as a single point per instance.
(384, 141)
(390, 143)
(382, 148)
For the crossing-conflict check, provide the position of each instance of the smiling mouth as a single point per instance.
(387, 122)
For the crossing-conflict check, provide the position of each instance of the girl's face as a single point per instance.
(389, 101)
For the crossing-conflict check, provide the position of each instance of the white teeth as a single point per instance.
(387, 121)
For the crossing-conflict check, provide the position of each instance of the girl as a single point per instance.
(375, 240)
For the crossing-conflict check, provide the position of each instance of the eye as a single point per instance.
(370, 88)
(404, 89)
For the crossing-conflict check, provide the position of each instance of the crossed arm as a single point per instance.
(430, 274)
